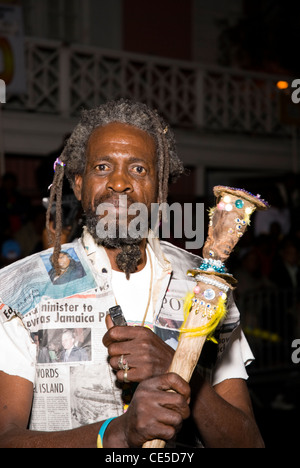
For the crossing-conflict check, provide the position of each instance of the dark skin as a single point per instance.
(122, 160)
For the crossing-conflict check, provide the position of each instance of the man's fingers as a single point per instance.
(175, 383)
(117, 334)
(108, 321)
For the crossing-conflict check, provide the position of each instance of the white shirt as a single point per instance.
(135, 295)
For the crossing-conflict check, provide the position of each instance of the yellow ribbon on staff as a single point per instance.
(208, 329)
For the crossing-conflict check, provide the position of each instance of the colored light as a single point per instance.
(282, 85)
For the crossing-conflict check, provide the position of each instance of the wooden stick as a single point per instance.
(186, 358)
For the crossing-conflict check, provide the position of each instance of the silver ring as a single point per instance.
(120, 362)
(123, 364)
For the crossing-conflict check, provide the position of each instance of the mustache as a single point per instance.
(123, 201)
(128, 244)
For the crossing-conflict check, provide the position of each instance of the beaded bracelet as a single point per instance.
(102, 431)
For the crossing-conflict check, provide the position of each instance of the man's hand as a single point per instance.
(145, 353)
(156, 411)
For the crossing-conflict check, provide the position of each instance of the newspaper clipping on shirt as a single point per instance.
(65, 317)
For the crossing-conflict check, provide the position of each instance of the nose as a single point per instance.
(119, 182)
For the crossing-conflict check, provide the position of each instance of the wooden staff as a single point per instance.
(206, 306)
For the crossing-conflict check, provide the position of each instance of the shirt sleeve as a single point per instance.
(17, 351)
(233, 362)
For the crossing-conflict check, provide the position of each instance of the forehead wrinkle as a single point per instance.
(113, 140)
(122, 135)
(130, 159)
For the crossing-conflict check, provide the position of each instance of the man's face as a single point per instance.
(120, 160)
(67, 341)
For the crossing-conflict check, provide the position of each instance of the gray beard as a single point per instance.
(129, 257)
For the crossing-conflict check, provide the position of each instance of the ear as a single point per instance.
(77, 186)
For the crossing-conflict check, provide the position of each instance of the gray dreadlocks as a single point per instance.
(72, 161)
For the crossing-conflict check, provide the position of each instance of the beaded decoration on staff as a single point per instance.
(205, 306)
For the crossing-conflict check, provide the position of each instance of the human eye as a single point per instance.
(140, 170)
(102, 167)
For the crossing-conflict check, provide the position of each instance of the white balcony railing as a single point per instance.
(62, 80)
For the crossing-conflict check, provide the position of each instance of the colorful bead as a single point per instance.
(209, 294)
(239, 204)
(58, 162)
(213, 265)
(197, 290)
(258, 196)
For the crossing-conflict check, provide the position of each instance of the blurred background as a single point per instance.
(222, 74)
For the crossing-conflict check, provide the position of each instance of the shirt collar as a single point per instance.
(96, 252)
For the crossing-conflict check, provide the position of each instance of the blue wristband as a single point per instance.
(102, 431)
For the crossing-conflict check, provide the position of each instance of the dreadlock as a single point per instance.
(72, 161)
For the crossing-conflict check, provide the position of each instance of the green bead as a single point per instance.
(239, 204)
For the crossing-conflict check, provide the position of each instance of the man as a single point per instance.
(71, 352)
(120, 149)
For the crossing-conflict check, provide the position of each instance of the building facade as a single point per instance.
(80, 53)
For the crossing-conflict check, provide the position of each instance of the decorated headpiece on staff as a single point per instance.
(228, 222)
